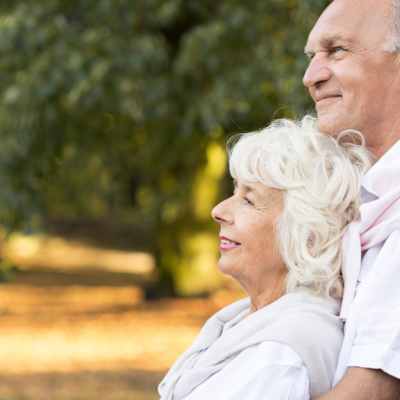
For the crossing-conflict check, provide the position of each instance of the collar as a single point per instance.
(369, 181)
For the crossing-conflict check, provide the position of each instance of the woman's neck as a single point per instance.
(264, 291)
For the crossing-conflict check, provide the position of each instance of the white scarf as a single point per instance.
(308, 324)
(378, 220)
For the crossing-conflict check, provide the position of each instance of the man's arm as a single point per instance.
(365, 384)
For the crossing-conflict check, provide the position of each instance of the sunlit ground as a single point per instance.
(81, 343)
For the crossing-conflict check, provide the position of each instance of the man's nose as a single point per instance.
(317, 72)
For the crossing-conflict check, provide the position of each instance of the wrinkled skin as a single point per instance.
(248, 218)
(354, 83)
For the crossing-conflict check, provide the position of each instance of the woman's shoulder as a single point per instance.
(303, 297)
(313, 319)
(310, 325)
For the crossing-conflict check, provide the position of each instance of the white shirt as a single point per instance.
(372, 330)
(267, 371)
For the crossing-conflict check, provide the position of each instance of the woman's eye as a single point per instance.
(248, 201)
(337, 49)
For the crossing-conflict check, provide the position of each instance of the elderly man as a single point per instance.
(354, 79)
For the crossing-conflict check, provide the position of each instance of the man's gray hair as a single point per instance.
(392, 43)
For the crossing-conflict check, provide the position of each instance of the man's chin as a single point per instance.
(331, 125)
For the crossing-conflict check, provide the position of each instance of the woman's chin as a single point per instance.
(226, 267)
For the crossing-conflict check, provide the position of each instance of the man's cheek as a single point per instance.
(312, 91)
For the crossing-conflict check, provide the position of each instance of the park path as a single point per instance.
(85, 343)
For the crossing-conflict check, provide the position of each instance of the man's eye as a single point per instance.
(337, 49)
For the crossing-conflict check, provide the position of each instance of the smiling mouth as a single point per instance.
(228, 244)
(326, 99)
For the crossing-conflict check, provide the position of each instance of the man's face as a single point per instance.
(352, 81)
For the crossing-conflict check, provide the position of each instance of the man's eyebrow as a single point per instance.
(308, 50)
(328, 41)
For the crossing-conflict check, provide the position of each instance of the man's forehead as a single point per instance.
(335, 25)
(350, 21)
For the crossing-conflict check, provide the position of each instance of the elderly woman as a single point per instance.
(296, 191)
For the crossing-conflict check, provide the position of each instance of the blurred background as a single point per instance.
(114, 116)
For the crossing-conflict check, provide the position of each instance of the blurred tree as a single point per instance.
(120, 107)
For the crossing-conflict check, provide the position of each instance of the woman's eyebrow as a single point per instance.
(247, 189)
(256, 193)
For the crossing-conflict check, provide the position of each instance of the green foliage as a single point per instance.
(108, 106)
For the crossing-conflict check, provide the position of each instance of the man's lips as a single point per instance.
(321, 100)
(226, 246)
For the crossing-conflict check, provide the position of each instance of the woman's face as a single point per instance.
(248, 243)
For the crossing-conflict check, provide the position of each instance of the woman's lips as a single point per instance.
(226, 246)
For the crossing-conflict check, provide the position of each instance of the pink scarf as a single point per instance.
(378, 220)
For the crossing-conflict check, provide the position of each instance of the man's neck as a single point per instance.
(382, 143)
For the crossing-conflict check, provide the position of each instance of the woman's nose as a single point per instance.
(221, 213)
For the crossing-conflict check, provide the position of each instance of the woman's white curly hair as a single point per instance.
(320, 178)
